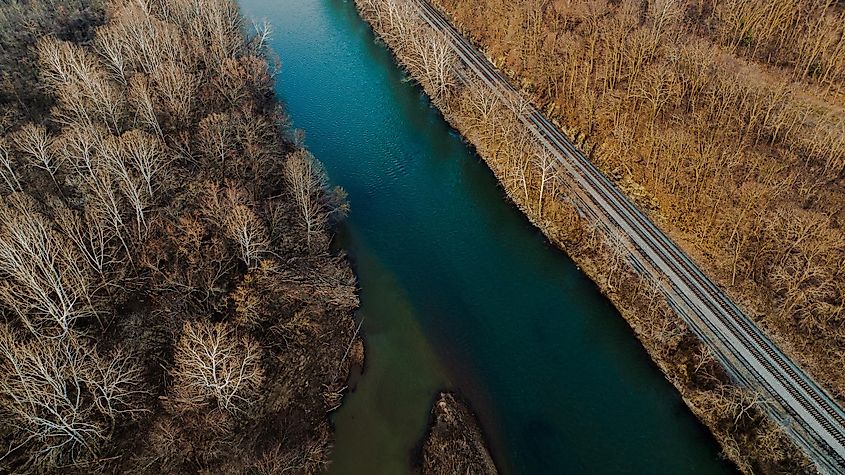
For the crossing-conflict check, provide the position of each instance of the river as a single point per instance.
(458, 290)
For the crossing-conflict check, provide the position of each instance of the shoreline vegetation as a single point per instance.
(169, 302)
(454, 442)
(748, 438)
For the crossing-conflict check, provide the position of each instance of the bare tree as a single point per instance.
(81, 85)
(78, 146)
(617, 249)
(61, 399)
(213, 363)
(662, 13)
(439, 62)
(64, 63)
(175, 89)
(484, 106)
(112, 45)
(547, 164)
(8, 166)
(36, 145)
(243, 226)
(127, 181)
(44, 282)
(261, 31)
(233, 210)
(146, 155)
(307, 181)
(140, 96)
(221, 26)
(257, 138)
(105, 201)
(89, 230)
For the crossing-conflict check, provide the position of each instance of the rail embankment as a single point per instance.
(730, 141)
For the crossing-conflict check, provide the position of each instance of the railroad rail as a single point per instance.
(807, 413)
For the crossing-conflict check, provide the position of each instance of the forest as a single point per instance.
(169, 300)
(724, 119)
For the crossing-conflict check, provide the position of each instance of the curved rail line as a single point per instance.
(738, 343)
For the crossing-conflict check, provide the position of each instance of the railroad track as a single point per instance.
(808, 413)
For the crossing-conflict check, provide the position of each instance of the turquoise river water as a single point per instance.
(458, 290)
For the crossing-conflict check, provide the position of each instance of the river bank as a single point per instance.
(454, 442)
(746, 436)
